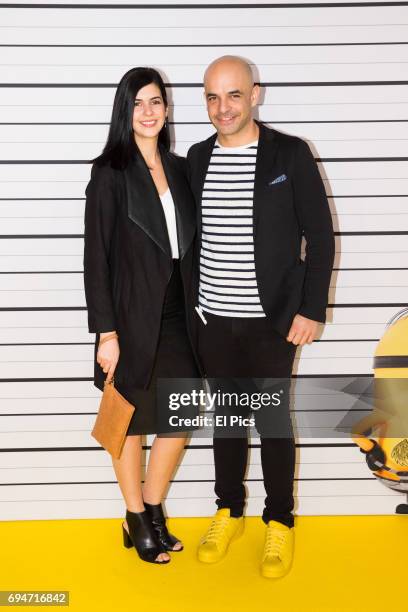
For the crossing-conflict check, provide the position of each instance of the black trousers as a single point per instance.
(235, 347)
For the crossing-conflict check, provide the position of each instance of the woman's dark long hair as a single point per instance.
(120, 146)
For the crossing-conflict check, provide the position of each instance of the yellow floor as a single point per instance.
(341, 563)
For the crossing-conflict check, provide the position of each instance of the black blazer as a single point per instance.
(128, 262)
(282, 213)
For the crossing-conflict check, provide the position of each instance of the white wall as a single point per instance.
(334, 75)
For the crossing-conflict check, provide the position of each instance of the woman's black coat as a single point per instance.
(128, 262)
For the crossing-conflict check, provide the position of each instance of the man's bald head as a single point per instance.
(228, 63)
(231, 95)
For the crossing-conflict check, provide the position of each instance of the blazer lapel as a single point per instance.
(144, 204)
(183, 201)
(200, 174)
(265, 159)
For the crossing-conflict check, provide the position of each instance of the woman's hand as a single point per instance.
(303, 331)
(108, 354)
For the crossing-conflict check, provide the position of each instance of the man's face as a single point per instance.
(230, 97)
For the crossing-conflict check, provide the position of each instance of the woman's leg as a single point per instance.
(164, 455)
(128, 470)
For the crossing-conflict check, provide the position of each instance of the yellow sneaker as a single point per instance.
(223, 529)
(278, 552)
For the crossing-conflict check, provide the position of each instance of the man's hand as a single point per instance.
(302, 331)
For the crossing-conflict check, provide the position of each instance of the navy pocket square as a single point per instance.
(278, 179)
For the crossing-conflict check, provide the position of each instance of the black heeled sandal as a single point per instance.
(143, 537)
(166, 539)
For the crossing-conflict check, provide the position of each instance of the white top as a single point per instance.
(170, 214)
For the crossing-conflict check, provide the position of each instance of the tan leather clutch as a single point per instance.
(112, 421)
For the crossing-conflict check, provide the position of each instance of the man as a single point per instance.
(257, 192)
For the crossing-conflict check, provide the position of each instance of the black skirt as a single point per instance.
(174, 359)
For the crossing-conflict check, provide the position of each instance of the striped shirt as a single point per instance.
(228, 284)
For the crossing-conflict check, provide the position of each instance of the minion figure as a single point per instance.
(386, 450)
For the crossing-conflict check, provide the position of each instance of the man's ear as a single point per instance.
(256, 90)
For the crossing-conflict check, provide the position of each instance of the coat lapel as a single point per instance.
(265, 160)
(183, 201)
(144, 204)
(201, 172)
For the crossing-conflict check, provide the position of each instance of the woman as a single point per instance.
(139, 230)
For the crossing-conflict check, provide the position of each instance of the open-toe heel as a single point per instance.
(143, 537)
(166, 539)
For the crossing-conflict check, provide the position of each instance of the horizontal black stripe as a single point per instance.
(206, 257)
(387, 233)
(207, 277)
(370, 195)
(330, 197)
(213, 163)
(210, 45)
(229, 181)
(40, 309)
(348, 339)
(147, 447)
(39, 199)
(366, 269)
(43, 272)
(37, 162)
(191, 85)
(46, 343)
(228, 243)
(25, 414)
(211, 278)
(230, 172)
(231, 234)
(229, 199)
(202, 122)
(38, 379)
(366, 305)
(229, 224)
(31, 236)
(69, 308)
(209, 260)
(40, 414)
(227, 269)
(318, 159)
(391, 361)
(174, 481)
(228, 252)
(243, 225)
(268, 5)
(92, 343)
(359, 159)
(74, 379)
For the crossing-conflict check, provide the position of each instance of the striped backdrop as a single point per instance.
(333, 73)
